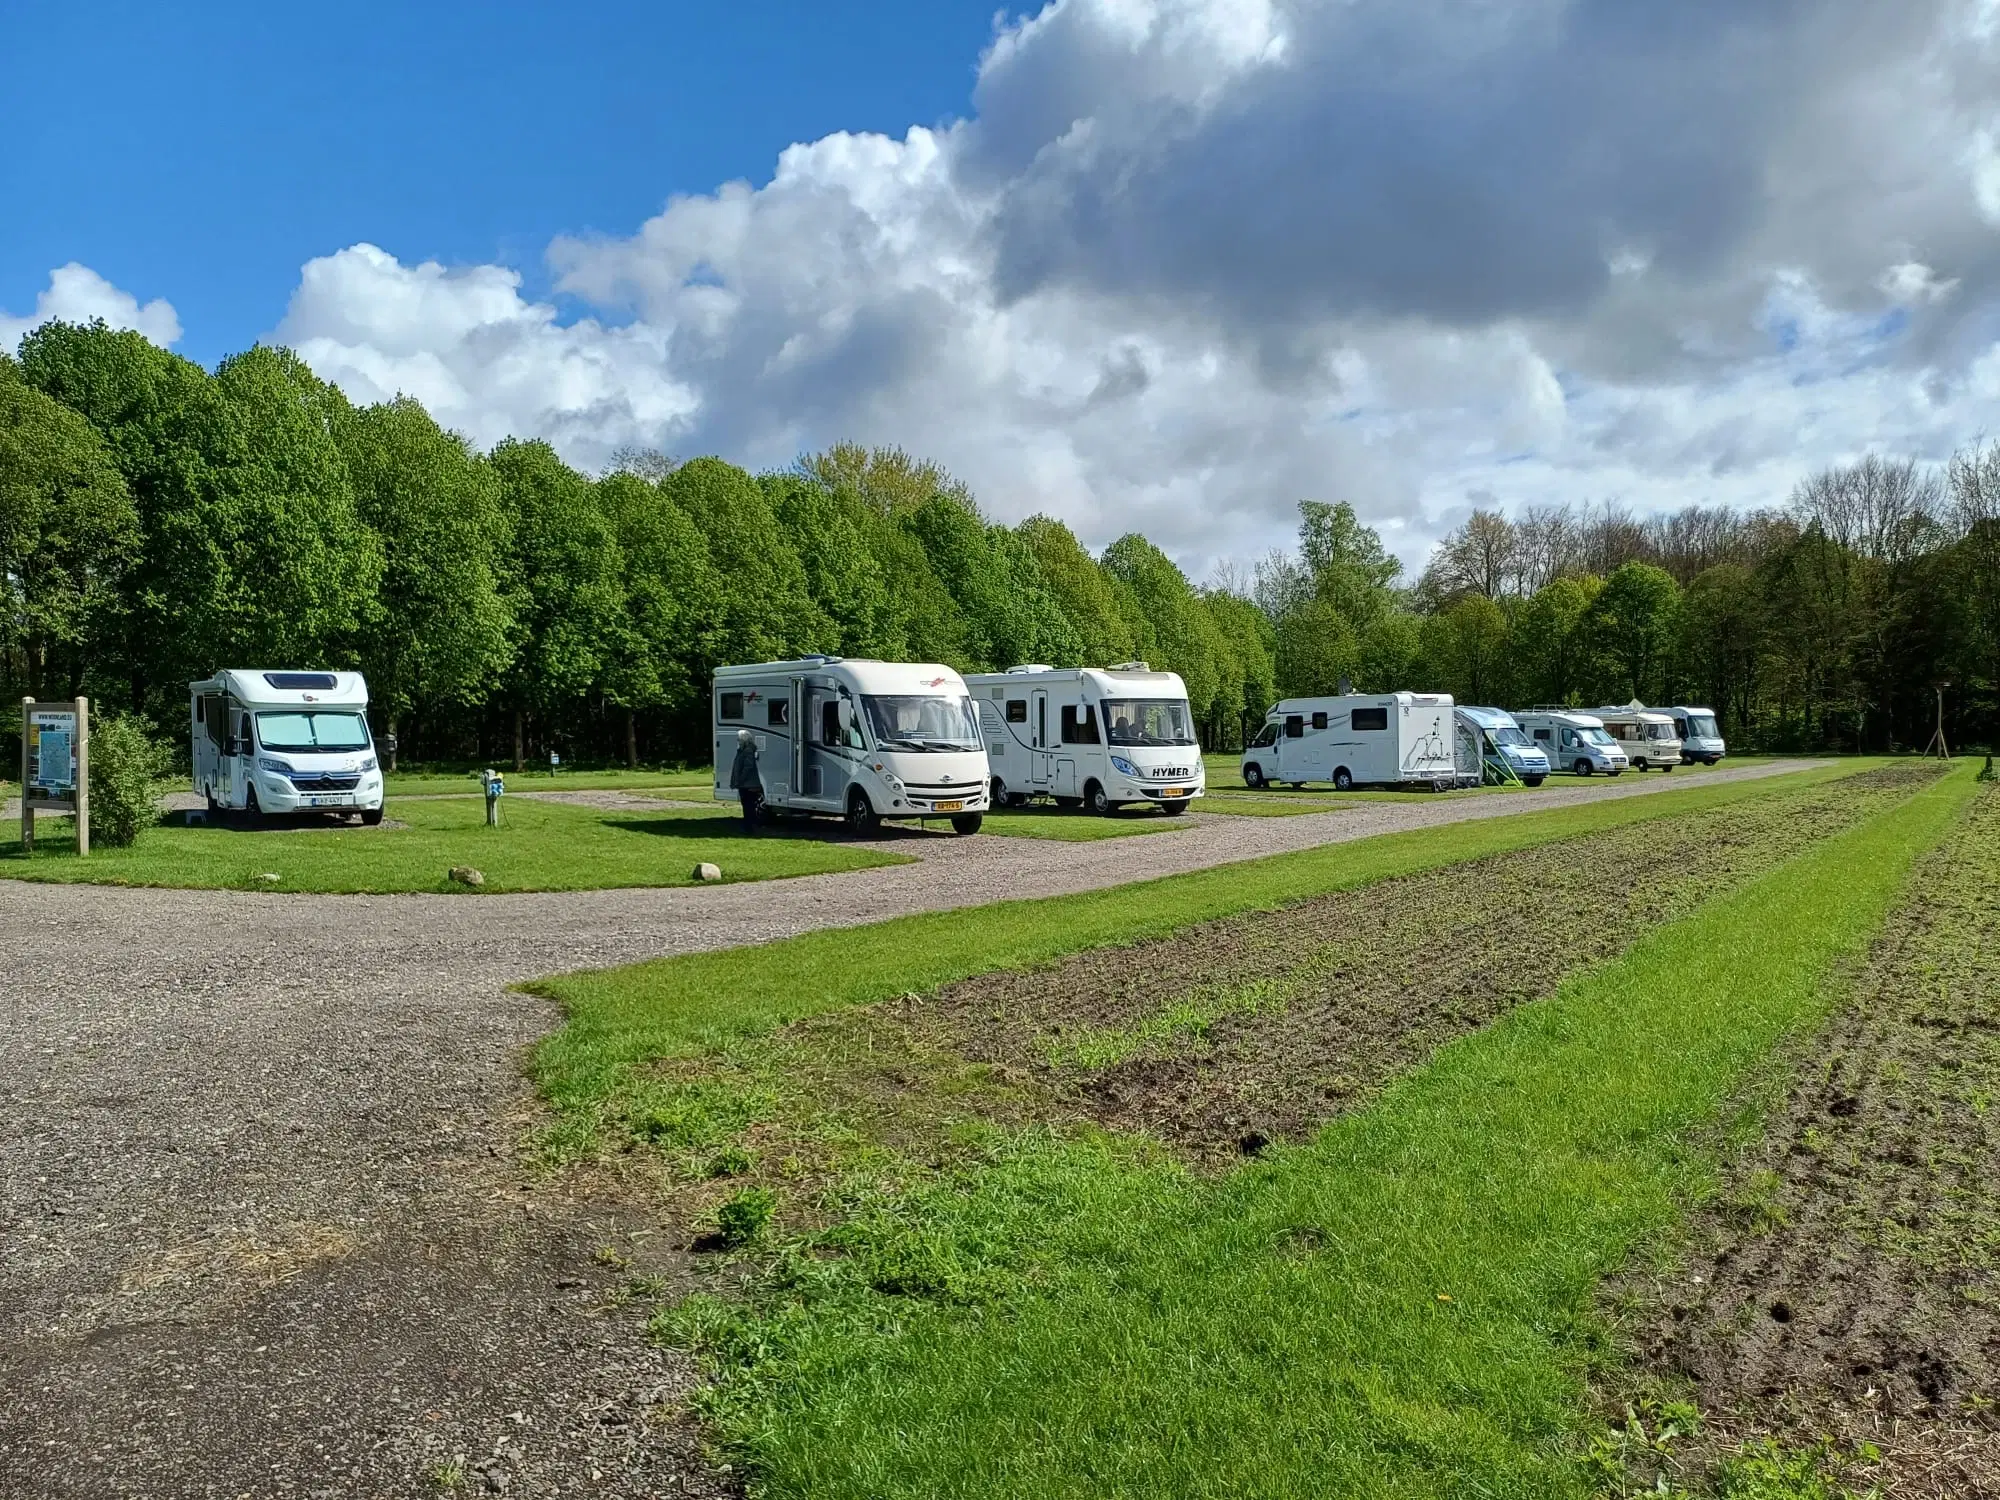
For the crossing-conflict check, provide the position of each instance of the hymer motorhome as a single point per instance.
(1097, 737)
(861, 740)
(1573, 741)
(1701, 737)
(1646, 736)
(285, 742)
(1359, 739)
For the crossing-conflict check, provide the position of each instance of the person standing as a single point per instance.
(747, 777)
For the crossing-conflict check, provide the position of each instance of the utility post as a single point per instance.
(1937, 745)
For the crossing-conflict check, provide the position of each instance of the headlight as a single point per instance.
(1125, 767)
(280, 767)
(893, 781)
(369, 764)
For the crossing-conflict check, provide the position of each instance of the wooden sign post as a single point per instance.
(55, 766)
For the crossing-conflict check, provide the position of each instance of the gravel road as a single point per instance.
(263, 1229)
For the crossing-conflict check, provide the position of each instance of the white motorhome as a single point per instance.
(285, 742)
(1360, 739)
(1498, 740)
(1092, 736)
(1701, 737)
(1645, 735)
(863, 740)
(1573, 741)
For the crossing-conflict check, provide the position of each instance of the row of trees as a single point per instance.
(158, 520)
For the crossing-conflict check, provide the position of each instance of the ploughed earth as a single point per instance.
(1842, 1288)
(1231, 1034)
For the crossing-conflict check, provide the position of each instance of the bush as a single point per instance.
(744, 1218)
(127, 767)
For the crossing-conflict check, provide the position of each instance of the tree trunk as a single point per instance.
(520, 742)
(631, 740)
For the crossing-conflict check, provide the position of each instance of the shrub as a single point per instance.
(127, 767)
(743, 1219)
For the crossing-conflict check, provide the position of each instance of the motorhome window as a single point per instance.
(829, 723)
(1319, 721)
(1597, 737)
(778, 711)
(309, 730)
(732, 705)
(1701, 726)
(1659, 731)
(1269, 736)
(302, 682)
(1295, 726)
(211, 719)
(1079, 729)
(1370, 718)
(1017, 710)
(1149, 721)
(1542, 735)
(921, 721)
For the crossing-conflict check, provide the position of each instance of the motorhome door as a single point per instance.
(826, 763)
(1039, 722)
(798, 730)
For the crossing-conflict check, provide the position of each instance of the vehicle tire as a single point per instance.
(1253, 776)
(1532, 780)
(371, 817)
(999, 793)
(1175, 808)
(1343, 779)
(1440, 786)
(862, 819)
(252, 811)
(215, 809)
(963, 823)
(1666, 770)
(1582, 768)
(1069, 804)
(1095, 800)
(1639, 764)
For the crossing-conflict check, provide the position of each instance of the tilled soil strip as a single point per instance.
(1247, 1030)
(1253, 1029)
(1845, 1282)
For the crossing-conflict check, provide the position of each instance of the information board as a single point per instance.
(55, 766)
(52, 732)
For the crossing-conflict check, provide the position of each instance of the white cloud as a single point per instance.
(1192, 260)
(76, 294)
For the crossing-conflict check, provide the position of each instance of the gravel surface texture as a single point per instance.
(263, 1229)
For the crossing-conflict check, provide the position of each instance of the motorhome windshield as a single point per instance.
(309, 730)
(1148, 721)
(1596, 737)
(1509, 736)
(1659, 731)
(922, 721)
(1701, 726)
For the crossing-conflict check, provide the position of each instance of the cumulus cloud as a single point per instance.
(77, 294)
(1188, 261)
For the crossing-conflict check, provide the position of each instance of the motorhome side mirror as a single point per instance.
(232, 746)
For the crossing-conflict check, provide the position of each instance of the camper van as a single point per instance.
(1701, 739)
(1357, 739)
(855, 739)
(1097, 737)
(1499, 741)
(1645, 735)
(285, 742)
(1573, 741)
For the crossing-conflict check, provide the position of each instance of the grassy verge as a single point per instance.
(1400, 1308)
(620, 1018)
(1079, 827)
(680, 783)
(541, 846)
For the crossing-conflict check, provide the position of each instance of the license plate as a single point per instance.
(1172, 791)
(336, 801)
(948, 806)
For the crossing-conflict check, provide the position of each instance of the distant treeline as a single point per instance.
(158, 521)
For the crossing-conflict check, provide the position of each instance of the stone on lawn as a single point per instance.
(465, 875)
(707, 871)
(270, 877)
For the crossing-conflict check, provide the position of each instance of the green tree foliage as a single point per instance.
(1391, 648)
(1637, 616)
(673, 602)
(1184, 635)
(887, 480)
(1466, 648)
(128, 768)
(767, 609)
(441, 632)
(1087, 597)
(1010, 616)
(1559, 647)
(1248, 677)
(843, 575)
(68, 534)
(1349, 567)
(1316, 648)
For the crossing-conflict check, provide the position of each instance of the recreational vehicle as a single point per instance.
(1360, 739)
(1645, 735)
(285, 742)
(1096, 737)
(1573, 741)
(1497, 740)
(862, 740)
(1701, 739)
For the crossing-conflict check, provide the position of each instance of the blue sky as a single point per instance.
(204, 152)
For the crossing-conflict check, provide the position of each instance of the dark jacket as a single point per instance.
(745, 772)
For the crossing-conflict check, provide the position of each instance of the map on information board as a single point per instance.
(53, 740)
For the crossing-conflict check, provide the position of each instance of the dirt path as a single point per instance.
(262, 1233)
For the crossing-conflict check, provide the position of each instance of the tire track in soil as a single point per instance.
(1247, 1030)
(1844, 1282)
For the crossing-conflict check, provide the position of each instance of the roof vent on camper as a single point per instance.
(1033, 666)
(1344, 688)
(1130, 666)
(302, 682)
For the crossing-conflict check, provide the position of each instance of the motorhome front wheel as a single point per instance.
(1253, 776)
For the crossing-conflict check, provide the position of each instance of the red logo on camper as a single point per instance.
(935, 682)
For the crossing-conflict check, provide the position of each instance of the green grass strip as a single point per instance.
(1399, 1309)
(617, 1018)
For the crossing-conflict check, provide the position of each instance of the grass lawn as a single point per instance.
(541, 846)
(1079, 827)
(1400, 1308)
(620, 1018)
(697, 783)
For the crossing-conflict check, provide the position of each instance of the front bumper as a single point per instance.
(278, 794)
(1150, 791)
(973, 800)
